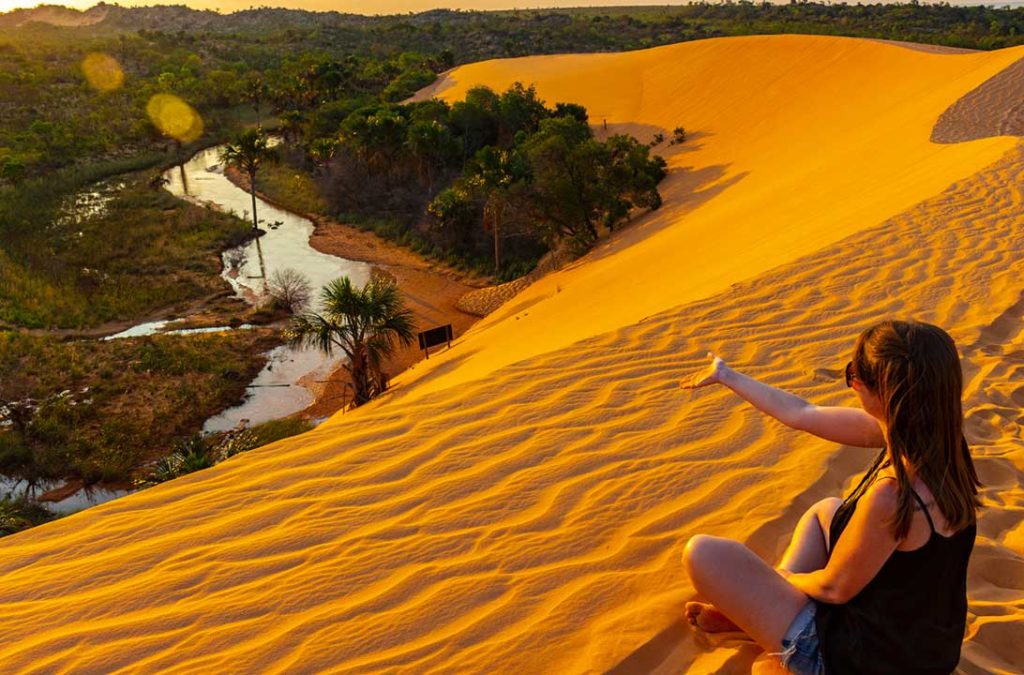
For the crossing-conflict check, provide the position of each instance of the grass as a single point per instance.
(200, 451)
(105, 408)
(292, 188)
(146, 251)
(20, 514)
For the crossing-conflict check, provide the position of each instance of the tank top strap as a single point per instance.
(919, 501)
(924, 508)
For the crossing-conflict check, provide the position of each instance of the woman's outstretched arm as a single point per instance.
(849, 426)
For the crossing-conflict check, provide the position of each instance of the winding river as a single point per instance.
(285, 384)
(282, 387)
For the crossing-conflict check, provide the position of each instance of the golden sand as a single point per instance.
(795, 143)
(521, 502)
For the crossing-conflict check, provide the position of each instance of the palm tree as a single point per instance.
(321, 151)
(248, 152)
(363, 323)
(496, 173)
(255, 91)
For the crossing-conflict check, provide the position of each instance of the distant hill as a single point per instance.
(475, 35)
(173, 18)
(57, 15)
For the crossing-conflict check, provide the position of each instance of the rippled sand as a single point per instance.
(520, 503)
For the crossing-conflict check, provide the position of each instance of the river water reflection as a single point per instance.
(278, 390)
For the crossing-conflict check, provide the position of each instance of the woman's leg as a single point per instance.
(807, 551)
(744, 587)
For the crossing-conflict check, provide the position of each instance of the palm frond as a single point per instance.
(365, 323)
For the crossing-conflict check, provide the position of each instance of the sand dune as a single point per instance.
(796, 142)
(524, 508)
(994, 108)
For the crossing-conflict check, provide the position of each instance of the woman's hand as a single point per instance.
(713, 374)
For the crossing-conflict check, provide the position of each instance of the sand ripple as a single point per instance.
(533, 520)
(995, 108)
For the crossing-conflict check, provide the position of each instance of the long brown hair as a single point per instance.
(914, 369)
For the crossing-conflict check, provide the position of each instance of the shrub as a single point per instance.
(290, 289)
(20, 513)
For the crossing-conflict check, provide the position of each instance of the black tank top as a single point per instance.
(910, 618)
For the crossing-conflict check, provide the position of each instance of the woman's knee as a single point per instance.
(825, 509)
(828, 504)
(700, 552)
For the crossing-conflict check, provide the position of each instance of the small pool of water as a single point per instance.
(87, 204)
(159, 328)
(82, 499)
(287, 382)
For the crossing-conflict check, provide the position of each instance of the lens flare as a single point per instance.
(174, 118)
(102, 71)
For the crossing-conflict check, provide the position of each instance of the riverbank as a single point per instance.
(82, 416)
(101, 410)
(430, 289)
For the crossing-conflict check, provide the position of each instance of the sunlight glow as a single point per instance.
(102, 71)
(174, 117)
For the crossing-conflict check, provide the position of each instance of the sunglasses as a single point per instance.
(849, 374)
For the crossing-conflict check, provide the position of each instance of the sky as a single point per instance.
(351, 6)
(371, 7)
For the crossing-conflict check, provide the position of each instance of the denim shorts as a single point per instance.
(801, 652)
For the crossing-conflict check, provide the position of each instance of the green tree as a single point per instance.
(519, 110)
(377, 134)
(249, 152)
(12, 169)
(580, 182)
(223, 87)
(629, 175)
(574, 110)
(498, 174)
(476, 120)
(292, 123)
(432, 146)
(321, 151)
(365, 324)
(565, 190)
(255, 92)
(455, 214)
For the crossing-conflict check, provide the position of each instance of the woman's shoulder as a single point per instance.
(882, 496)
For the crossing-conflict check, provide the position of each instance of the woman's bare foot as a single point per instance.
(707, 618)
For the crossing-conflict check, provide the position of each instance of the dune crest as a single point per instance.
(533, 520)
(994, 108)
(795, 142)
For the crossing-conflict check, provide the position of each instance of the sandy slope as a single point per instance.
(789, 135)
(532, 520)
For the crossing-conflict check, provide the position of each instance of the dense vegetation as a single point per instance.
(491, 182)
(193, 453)
(98, 410)
(201, 451)
(53, 115)
(312, 70)
(297, 60)
(117, 252)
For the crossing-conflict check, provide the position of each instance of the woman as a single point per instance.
(875, 583)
